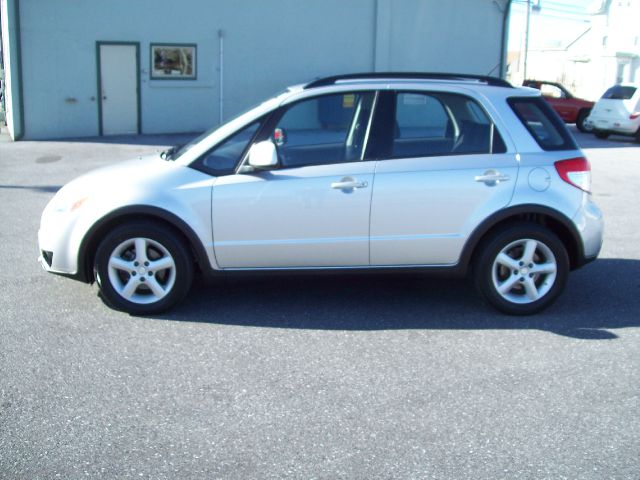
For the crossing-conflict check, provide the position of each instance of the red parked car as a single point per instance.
(571, 109)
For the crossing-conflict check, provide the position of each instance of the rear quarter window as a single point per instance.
(544, 125)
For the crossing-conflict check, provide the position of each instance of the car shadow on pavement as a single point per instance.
(146, 139)
(35, 188)
(589, 140)
(600, 297)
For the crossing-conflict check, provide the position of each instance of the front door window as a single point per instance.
(324, 130)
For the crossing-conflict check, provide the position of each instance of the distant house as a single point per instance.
(616, 42)
(95, 67)
(602, 51)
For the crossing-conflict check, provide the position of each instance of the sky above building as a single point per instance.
(554, 24)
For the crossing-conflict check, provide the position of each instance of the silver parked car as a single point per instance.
(432, 172)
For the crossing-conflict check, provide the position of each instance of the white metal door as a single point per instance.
(316, 216)
(437, 184)
(119, 89)
(424, 209)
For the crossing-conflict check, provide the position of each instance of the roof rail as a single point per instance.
(493, 81)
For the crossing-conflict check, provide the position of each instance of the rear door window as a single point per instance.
(543, 123)
(434, 123)
(422, 126)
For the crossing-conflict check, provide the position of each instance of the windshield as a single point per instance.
(175, 152)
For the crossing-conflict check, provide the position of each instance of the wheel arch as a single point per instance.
(90, 242)
(547, 217)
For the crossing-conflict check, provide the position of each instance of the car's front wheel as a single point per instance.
(143, 268)
(521, 269)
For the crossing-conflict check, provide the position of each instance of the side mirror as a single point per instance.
(263, 155)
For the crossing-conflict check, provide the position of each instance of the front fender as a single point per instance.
(200, 240)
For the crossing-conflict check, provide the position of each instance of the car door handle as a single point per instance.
(346, 184)
(491, 178)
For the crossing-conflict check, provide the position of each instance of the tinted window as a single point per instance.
(428, 124)
(323, 130)
(224, 157)
(543, 124)
(551, 91)
(618, 92)
(420, 116)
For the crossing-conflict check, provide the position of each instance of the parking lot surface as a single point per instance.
(331, 377)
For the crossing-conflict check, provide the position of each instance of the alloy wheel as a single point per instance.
(141, 270)
(524, 271)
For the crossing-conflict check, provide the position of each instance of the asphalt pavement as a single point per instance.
(356, 377)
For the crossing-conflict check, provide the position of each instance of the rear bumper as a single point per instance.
(590, 224)
(618, 126)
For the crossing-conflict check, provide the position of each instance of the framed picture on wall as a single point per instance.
(173, 61)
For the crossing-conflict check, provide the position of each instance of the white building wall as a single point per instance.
(268, 44)
(462, 36)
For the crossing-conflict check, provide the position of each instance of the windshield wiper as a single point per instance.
(168, 154)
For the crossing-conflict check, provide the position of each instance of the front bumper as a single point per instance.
(57, 243)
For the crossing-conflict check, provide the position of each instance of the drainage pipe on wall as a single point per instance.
(221, 72)
(505, 39)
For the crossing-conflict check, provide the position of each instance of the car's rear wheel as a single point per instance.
(521, 269)
(601, 135)
(143, 268)
(637, 136)
(580, 121)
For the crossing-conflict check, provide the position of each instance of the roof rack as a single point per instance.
(493, 81)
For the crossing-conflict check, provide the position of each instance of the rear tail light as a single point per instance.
(576, 172)
(634, 115)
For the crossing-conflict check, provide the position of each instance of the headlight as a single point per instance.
(68, 204)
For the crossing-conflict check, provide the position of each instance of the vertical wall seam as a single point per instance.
(21, 122)
(375, 35)
(505, 39)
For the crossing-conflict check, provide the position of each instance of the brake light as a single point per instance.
(576, 172)
(634, 115)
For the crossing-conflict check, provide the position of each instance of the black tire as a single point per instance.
(637, 136)
(601, 135)
(489, 273)
(582, 116)
(160, 246)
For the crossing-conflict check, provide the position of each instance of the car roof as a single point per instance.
(367, 77)
(465, 84)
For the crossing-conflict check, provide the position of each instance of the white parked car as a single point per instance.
(617, 112)
(377, 172)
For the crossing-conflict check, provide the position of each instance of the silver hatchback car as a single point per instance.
(377, 172)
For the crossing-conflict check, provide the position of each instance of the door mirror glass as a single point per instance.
(263, 155)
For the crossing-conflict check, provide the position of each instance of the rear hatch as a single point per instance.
(617, 103)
